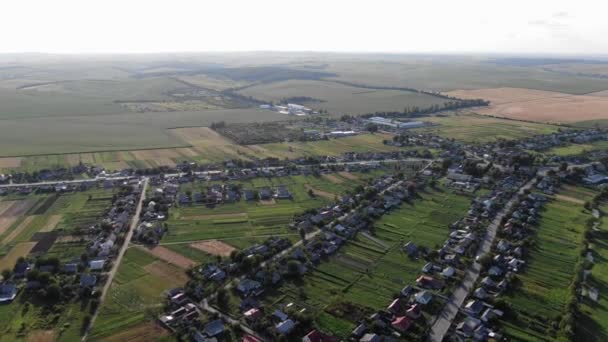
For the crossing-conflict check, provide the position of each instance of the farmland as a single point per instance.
(474, 128)
(339, 99)
(136, 293)
(367, 273)
(592, 325)
(545, 283)
(575, 149)
(539, 106)
(236, 221)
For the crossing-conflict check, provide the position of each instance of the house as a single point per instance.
(8, 292)
(370, 338)
(214, 328)
(265, 194)
(280, 315)
(87, 280)
(480, 293)
(251, 338)
(249, 195)
(96, 265)
(283, 193)
(395, 306)
(70, 268)
(448, 272)
(317, 336)
(414, 311)
(402, 323)
(423, 297)
(252, 314)
(407, 290)
(474, 307)
(359, 330)
(247, 286)
(468, 326)
(429, 282)
(495, 271)
(285, 327)
(21, 269)
(410, 248)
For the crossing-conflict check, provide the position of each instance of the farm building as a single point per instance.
(378, 120)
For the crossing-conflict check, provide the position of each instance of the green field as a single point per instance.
(235, 221)
(575, 149)
(546, 280)
(339, 99)
(136, 293)
(367, 273)
(481, 129)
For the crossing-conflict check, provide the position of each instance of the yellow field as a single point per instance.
(20, 250)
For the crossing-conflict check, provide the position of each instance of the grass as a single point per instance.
(546, 280)
(135, 295)
(576, 149)
(481, 129)
(338, 98)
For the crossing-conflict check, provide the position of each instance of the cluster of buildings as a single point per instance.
(289, 109)
(385, 122)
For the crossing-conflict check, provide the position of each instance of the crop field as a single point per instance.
(576, 149)
(188, 224)
(480, 129)
(453, 73)
(367, 272)
(338, 98)
(592, 325)
(136, 293)
(539, 106)
(550, 268)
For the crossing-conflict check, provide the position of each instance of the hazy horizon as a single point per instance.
(383, 26)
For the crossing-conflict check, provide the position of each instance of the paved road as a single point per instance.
(444, 319)
(204, 305)
(121, 253)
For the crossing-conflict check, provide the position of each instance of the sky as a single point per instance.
(434, 26)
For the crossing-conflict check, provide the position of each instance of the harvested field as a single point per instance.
(41, 336)
(171, 257)
(51, 223)
(348, 175)
(214, 247)
(161, 157)
(19, 207)
(20, 250)
(333, 178)
(215, 216)
(537, 105)
(69, 238)
(26, 222)
(4, 205)
(324, 194)
(10, 162)
(201, 136)
(6, 222)
(143, 332)
(163, 270)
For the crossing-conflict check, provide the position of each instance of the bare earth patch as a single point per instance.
(333, 178)
(6, 222)
(268, 202)
(148, 331)
(201, 136)
(51, 223)
(166, 271)
(4, 205)
(41, 336)
(348, 175)
(19, 207)
(570, 199)
(69, 238)
(537, 105)
(214, 247)
(21, 227)
(20, 250)
(10, 162)
(325, 194)
(171, 257)
(214, 216)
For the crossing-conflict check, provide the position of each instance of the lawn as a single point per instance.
(545, 282)
(475, 128)
(136, 293)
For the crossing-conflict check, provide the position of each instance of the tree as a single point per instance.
(311, 193)
(563, 166)
(302, 234)
(293, 268)
(6, 274)
(372, 128)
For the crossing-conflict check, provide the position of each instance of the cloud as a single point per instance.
(548, 24)
(561, 15)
